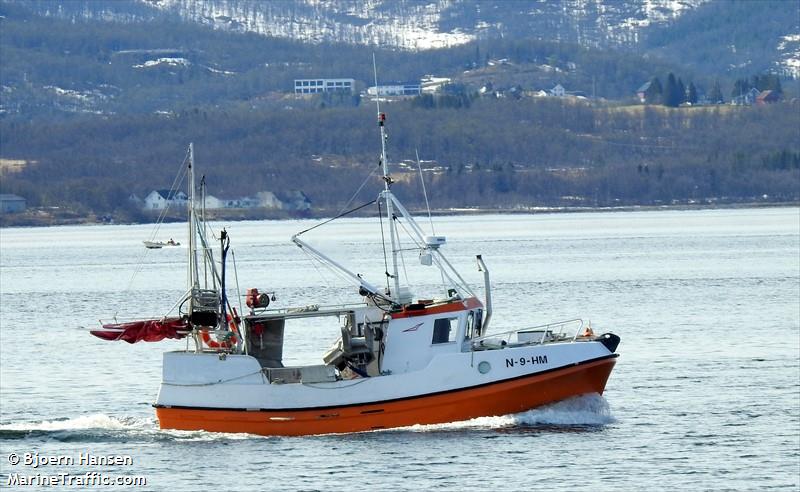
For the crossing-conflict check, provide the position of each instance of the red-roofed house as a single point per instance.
(767, 97)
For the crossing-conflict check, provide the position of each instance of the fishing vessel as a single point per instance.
(160, 244)
(399, 359)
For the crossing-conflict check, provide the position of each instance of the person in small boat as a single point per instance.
(171, 242)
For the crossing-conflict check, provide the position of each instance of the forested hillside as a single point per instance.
(53, 68)
(492, 153)
(92, 111)
(735, 37)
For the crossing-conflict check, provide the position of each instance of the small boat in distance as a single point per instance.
(398, 359)
(160, 244)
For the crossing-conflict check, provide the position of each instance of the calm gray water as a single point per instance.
(705, 396)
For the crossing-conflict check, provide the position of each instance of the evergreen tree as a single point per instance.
(777, 86)
(758, 82)
(681, 91)
(740, 87)
(715, 96)
(691, 96)
(767, 82)
(672, 97)
(655, 90)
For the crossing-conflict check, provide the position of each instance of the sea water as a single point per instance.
(705, 394)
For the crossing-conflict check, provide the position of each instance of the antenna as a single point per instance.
(375, 73)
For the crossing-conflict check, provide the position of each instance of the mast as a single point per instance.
(428, 245)
(193, 280)
(190, 249)
(387, 192)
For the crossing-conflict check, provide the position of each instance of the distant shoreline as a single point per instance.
(35, 218)
(621, 208)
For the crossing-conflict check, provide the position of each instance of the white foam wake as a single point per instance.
(84, 422)
(589, 409)
(115, 427)
(584, 410)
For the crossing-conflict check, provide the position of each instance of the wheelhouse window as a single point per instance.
(478, 322)
(444, 330)
(468, 331)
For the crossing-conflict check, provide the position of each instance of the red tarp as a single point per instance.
(151, 330)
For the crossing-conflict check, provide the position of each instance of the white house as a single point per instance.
(267, 199)
(294, 200)
(291, 200)
(11, 203)
(746, 99)
(212, 202)
(161, 199)
(286, 200)
(558, 91)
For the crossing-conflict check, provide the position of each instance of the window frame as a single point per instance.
(451, 334)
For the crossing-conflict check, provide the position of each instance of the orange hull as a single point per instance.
(499, 398)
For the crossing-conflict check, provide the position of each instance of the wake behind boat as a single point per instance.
(399, 359)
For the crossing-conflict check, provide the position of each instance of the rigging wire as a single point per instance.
(441, 268)
(410, 236)
(383, 245)
(173, 188)
(425, 192)
(313, 260)
(400, 250)
(203, 221)
(179, 176)
(444, 282)
(342, 212)
(236, 277)
(366, 180)
(337, 217)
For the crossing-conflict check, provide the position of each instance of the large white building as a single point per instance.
(396, 89)
(316, 86)
(430, 84)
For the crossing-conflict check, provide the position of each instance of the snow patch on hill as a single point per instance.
(411, 26)
(170, 62)
(789, 48)
(419, 25)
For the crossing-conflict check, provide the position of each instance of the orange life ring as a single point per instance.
(230, 342)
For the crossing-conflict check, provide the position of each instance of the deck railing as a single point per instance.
(559, 331)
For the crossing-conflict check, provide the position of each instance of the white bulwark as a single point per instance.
(316, 86)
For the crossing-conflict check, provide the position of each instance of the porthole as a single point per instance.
(484, 367)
